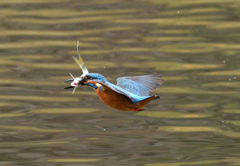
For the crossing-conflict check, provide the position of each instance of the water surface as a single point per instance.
(193, 44)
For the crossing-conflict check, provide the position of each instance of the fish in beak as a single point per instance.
(79, 81)
(76, 82)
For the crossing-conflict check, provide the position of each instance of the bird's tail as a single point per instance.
(147, 100)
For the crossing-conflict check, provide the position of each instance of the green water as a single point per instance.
(193, 44)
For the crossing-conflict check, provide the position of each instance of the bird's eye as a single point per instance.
(89, 77)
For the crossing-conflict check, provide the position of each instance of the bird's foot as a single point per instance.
(136, 109)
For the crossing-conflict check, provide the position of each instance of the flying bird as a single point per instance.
(130, 94)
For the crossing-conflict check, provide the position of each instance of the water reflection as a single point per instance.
(193, 44)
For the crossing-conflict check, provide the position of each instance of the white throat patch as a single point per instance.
(98, 85)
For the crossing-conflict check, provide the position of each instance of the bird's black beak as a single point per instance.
(69, 87)
(68, 80)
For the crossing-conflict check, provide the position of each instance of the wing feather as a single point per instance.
(140, 85)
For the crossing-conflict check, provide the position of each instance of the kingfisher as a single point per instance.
(131, 93)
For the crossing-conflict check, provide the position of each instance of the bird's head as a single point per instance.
(94, 77)
(89, 79)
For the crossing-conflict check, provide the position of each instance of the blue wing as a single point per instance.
(135, 88)
(135, 98)
(140, 85)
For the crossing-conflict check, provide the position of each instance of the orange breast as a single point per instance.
(117, 100)
(114, 99)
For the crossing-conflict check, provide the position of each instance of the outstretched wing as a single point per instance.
(140, 85)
